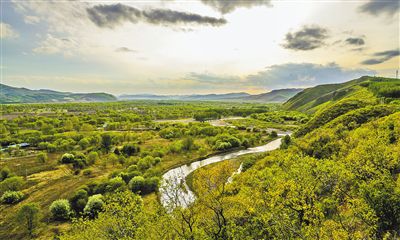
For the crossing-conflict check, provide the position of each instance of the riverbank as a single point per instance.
(174, 190)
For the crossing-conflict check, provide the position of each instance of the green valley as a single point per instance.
(94, 170)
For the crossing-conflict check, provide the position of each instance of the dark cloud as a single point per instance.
(381, 57)
(355, 41)
(125, 50)
(110, 16)
(358, 49)
(376, 7)
(308, 38)
(227, 6)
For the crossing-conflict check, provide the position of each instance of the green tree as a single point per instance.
(84, 143)
(106, 142)
(11, 197)
(94, 205)
(130, 149)
(92, 157)
(79, 200)
(67, 158)
(137, 184)
(29, 216)
(60, 209)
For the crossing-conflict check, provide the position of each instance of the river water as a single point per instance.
(174, 191)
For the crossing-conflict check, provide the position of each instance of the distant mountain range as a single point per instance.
(10, 94)
(23, 95)
(280, 95)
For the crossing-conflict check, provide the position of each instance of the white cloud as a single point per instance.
(54, 45)
(6, 31)
(31, 19)
(183, 56)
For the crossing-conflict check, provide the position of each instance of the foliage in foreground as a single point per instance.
(340, 181)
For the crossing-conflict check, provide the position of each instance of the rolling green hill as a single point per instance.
(10, 94)
(311, 99)
(327, 102)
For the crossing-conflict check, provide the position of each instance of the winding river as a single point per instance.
(174, 191)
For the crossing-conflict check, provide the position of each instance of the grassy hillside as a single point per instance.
(328, 102)
(23, 95)
(312, 99)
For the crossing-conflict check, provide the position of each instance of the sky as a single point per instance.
(195, 46)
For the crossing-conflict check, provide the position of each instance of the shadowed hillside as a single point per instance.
(23, 95)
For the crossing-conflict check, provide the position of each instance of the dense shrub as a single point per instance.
(130, 149)
(209, 131)
(390, 92)
(127, 176)
(67, 158)
(79, 200)
(273, 134)
(136, 184)
(170, 132)
(11, 184)
(188, 144)
(143, 185)
(225, 142)
(4, 173)
(60, 209)
(207, 115)
(145, 163)
(150, 185)
(80, 161)
(286, 140)
(94, 205)
(11, 197)
(248, 163)
(84, 143)
(92, 157)
(116, 184)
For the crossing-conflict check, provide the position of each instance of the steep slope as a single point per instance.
(10, 94)
(342, 98)
(311, 98)
(339, 178)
